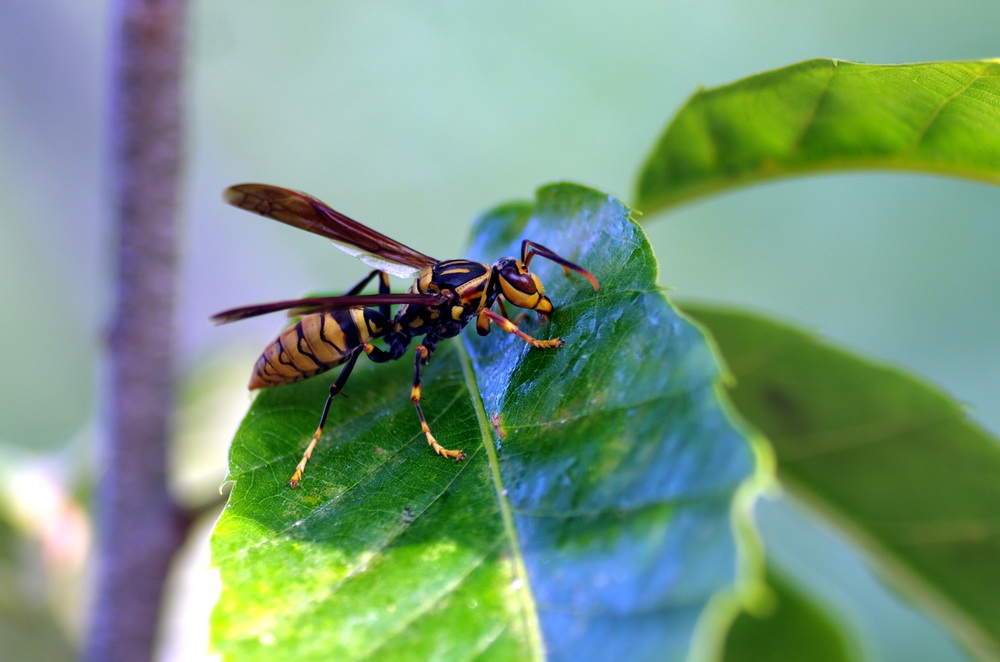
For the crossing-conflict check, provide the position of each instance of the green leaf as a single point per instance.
(789, 625)
(896, 464)
(821, 115)
(591, 520)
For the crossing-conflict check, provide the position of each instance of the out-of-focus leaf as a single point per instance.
(29, 628)
(820, 115)
(790, 628)
(891, 460)
(592, 519)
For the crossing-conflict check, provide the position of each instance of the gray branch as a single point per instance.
(140, 526)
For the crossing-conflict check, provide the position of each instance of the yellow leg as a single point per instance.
(510, 327)
(300, 468)
(335, 388)
(422, 354)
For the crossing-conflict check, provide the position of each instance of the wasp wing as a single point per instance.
(321, 304)
(305, 212)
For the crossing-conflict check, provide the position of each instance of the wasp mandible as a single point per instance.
(332, 331)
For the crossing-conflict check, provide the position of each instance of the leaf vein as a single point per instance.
(618, 406)
(434, 600)
(720, 490)
(329, 589)
(810, 118)
(922, 131)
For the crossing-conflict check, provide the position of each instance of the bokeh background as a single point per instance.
(416, 117)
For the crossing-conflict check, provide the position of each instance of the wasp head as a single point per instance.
(521, 287)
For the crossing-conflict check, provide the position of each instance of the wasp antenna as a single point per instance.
(530, 249)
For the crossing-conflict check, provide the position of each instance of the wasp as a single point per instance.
(445, 297)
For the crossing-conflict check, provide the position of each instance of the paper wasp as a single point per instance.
(332, 331)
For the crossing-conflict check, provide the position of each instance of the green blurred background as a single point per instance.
(414, 118)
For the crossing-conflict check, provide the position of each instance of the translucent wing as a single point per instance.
(305, 212)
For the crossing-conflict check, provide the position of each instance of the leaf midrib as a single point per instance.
(524, 592)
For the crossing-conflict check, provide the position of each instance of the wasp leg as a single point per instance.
(486, 316)
(383, 288)
(423, 353)
(335, 389)
(523, 315)
(363, 282)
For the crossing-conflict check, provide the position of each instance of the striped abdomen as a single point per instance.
(315, 344)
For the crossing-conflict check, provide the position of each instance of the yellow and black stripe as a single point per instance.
(315, 344)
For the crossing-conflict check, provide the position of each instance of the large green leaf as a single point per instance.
(817, 115)
(593, 518)
(894, 462)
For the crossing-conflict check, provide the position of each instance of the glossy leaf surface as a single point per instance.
(893, 462)
(592, 519)
(822, 115)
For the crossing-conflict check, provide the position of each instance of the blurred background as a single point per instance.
(414, 118)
